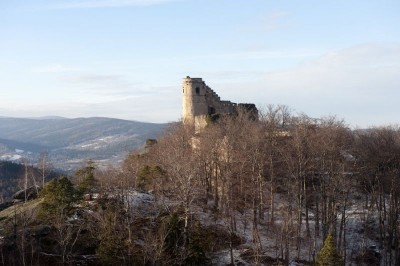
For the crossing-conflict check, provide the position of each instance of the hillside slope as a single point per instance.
(69, 141)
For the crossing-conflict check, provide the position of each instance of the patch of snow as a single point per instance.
(15, 157)
(295, 263)
(138, 199)
(224, 258)
(19, 151)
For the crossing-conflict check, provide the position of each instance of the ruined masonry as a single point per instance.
(200, 101)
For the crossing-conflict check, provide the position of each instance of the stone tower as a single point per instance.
(194, 100)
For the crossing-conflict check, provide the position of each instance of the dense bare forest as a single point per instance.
(243, 191)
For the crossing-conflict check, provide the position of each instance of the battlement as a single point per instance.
(189, 79)
(199, 101)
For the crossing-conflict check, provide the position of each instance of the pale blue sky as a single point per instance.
(126, 58)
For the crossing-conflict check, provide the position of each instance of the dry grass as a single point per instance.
(19, 208)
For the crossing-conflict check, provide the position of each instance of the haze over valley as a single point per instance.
(71, 142)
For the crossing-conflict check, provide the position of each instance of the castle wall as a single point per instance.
(199, 100)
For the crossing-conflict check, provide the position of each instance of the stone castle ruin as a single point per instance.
(200, 102)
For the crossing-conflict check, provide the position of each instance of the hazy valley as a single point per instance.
(70, 142)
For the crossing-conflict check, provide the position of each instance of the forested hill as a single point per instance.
(69, 141)
(12, 176)
(9, 175)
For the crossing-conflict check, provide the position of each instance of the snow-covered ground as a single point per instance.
(270, 235)
(271, 244)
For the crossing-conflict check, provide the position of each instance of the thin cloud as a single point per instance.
(346, 82)
(360, 84)
(267, 22)
(100, 88)
(53, 68)
(93, 79)
(357, 68)
(84, 4)
(149, 108)
(256, 55)
(274, 20)
(231, 74)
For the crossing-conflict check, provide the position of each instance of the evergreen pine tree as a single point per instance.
(59, 197)
(328, 255)
(86, 176)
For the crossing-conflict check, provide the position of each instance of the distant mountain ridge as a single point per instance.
(69, 141)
